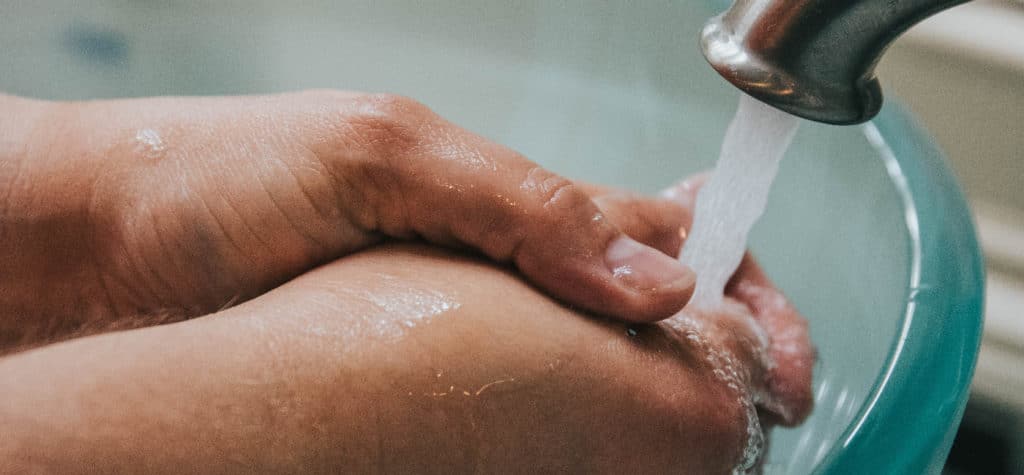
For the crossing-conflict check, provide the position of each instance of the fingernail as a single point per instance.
(645, 268)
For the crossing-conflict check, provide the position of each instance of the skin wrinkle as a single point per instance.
(178, 175)
(378, 152)
(324, 246)
(446, 144)
(399, 132)
(201, 250)
(205, 166)
(507, 229)
(206, 253)
(111, 303)
(304, 155)
(223, 231)
(257, 236)
(19, 157)
(154, 228)
(245, 223)
(122, 254)
(530, 183)
(291, 223)
(5, 203)
(99, 218)
(329, 215)
(345, 191)
(394, 185)
(556, 193)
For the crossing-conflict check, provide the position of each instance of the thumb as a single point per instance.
(556, 236)
(578, 254)
(452, 187)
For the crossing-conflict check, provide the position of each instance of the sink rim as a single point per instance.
(944, 310)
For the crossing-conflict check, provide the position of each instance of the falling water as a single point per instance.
(735, 196)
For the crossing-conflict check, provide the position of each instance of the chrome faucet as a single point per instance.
(811, 58)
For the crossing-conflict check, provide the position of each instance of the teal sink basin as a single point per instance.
(866, 229)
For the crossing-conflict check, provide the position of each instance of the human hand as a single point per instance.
(789, 347)
(182, 206)
(402, 359)
(409, 359)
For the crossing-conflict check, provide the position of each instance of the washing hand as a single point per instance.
(177, 207)
(116, 214)
(404, 359)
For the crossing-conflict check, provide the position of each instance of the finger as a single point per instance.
(562, 241)
(790, 348)
(685, 192)
(788, 380)
(657, 223)
(454, 184)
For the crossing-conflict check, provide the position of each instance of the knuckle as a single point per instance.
(394, 105)
(388, 121)
(556, 210)
(378, 125)
(380, 134)
(552, 192)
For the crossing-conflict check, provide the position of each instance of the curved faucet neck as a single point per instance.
(812, 58)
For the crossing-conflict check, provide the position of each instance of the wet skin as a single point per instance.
(182, 206)
(397, 359)
(359, 365)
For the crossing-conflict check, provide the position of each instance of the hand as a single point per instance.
(402, 359)
(789, 346)
(177, 207)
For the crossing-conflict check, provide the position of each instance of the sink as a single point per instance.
(866, 229)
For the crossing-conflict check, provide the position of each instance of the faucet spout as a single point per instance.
(812, 58)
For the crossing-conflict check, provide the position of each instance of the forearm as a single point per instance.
(202, 398)
(380, 363)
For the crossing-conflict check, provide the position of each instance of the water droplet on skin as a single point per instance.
(395, 308)
(149, 142)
